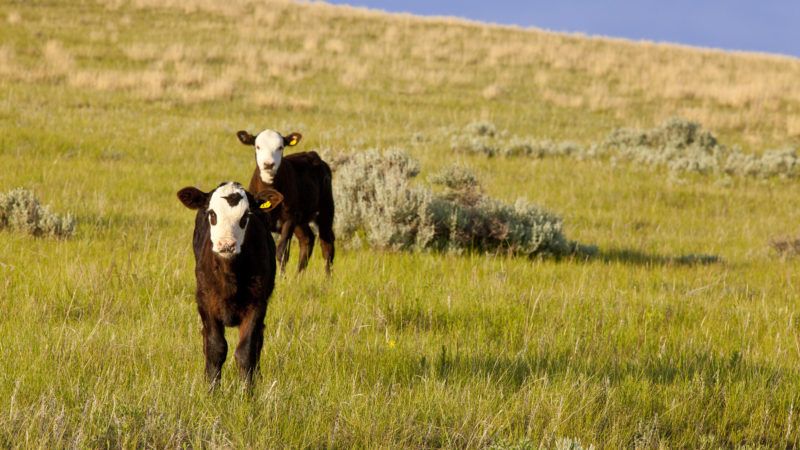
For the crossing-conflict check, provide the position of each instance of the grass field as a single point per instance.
(108, 108)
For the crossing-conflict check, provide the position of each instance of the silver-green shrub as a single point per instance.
(20, 210)
(375, 194)
(483, 138)
(459, 183)
(679, 145)
(782, 163)
(481, 128)
(675, 132)
(683, 146)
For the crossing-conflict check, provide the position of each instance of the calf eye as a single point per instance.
(212, 217)
(243, 222)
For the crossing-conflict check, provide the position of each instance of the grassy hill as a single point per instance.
(108, 108)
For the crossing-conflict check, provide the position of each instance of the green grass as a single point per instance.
(100, 339)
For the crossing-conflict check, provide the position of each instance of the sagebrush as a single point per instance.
(680, 145)
(375, 193)
(484, 138)
(684, 146)
(20, 210)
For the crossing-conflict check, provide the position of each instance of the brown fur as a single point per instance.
(233, 292)
(304, 179)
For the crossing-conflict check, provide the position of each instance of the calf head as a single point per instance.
(228, 210)
(269, 146)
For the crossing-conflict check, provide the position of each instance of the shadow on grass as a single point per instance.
(636, 257)
(513, 372)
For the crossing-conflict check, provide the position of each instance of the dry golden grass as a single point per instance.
(492, 91)
(335, 46)
(58, 61)
(7, 60)
(13, 18)
(793, 125)
(141, 51)
(752, 97)
(221, 88)
(354, 75)
(278, 100)
(148, 84)
(189, 75)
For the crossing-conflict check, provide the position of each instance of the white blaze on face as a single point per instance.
(269, 151)
(228, 215)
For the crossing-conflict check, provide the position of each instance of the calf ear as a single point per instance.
(192, 198)
(246, 138)
(292, 139)
(268, 199)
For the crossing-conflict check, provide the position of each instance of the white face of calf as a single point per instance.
(228, 215)
(269, 146)
(228, 210)
(269, 152)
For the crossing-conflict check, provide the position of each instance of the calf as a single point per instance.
(235, 270)
(304, 179)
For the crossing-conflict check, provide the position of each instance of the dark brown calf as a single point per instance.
(235, 271)
(304, 179)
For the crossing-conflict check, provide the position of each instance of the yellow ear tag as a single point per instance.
(266, 205)
(293, 142)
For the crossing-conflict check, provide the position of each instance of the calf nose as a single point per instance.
(226, 245)
(269, 166)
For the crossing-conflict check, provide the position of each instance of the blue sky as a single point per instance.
(771, 26)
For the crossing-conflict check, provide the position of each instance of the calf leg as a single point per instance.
(305, 237)
(251, 339)
(326, 239)
(328, 250)
(282, 251)
(215, 349)
(325, 222)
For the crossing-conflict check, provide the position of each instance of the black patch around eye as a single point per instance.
(212, 217)
(243, 222)
(233, 199)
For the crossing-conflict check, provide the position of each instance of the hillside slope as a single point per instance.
(319, 59)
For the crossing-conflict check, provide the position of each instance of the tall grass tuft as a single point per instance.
(375, 193)
(20, 210)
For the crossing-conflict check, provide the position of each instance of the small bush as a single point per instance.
(483, 138)
(677, 144)
(20, 210)
(481, 129)
(675, 132)
(781, 163)
(374, 193)
(480, 144)
(786, 247)
(460, 184)
(683, 146)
